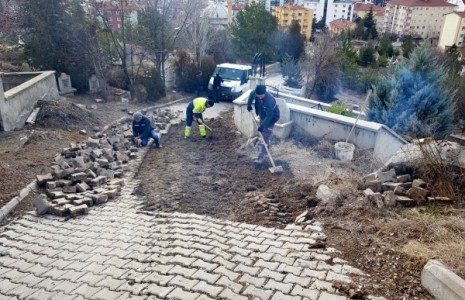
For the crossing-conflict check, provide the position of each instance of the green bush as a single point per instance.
(339, 108)
(153, 84)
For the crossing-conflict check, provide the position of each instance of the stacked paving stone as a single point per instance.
(386, 188)
(91, 172)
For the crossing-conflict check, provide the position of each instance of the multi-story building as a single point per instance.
(339, 9)
(362, 9)
(329, 9)
(416, 17)
(453, 31)
(286, 13)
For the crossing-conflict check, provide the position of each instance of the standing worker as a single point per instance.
(142, 130)
(217, 81)
(268, 111)
(194, 113)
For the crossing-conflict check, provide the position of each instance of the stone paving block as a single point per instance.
(280, 286)
(117, 262)
(221, 270)
(322, 285)
(312, 294)
(332, 276)
(62, 296)
(280, 296)
(94, 268)
(247, 269)
(37, 270)
(105, 294)
(183, 282)
(205, 288)
(246, 279)
(300, 280)
(290, 269)
(267, 273)
(266, 264)
(159, 279)
(242, 260)
(14, 275)
(328, 296)
(159, 291)
(72, 275)
(6, 261)
(22, 291)
(230, 295)
(7, 285)
(86, 291)
(204, 265)
(66, 287)
(183, 271)
(41, 294)
(44, 260)
(210, 278)
(314, 274)
(229, 284)
(258, 293)
(180, 294)
(30, 280)
(281, 251)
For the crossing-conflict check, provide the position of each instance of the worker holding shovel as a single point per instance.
(268, 111)
(194, 113)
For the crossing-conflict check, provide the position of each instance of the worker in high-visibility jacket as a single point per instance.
(194, 112)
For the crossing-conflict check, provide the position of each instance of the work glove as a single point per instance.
(260, 128)
(249, 108)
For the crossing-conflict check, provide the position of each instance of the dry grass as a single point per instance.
(437, 233)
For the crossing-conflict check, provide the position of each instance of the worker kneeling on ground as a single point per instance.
(194, 113)
(268, 111)
(142, 130)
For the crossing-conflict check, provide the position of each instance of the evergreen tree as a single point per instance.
(385, 47)
(367, 57)
(55, 37)
(407, 46)
(291, 71)
(413, 99)
(293, 43)
(253, 31)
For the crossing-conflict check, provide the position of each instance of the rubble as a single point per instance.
(388, 189)
(84, 173)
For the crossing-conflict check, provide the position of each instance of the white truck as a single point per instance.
(235, 80)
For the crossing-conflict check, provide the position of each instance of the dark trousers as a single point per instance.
(267, 133)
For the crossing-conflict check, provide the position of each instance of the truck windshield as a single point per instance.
(231, 74)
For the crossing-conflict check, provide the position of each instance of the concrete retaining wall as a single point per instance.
(441, 282)
(17, 103)
(313, 122)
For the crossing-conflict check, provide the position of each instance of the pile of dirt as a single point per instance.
(62, 114)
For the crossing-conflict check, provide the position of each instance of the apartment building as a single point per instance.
(416, 17)
(453, 31)
(339, 9)
(288, 12)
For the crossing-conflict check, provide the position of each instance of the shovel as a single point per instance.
(274, 168)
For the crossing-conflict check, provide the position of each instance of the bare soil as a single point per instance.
(214, 177)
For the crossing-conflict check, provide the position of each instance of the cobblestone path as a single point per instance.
(117, 252)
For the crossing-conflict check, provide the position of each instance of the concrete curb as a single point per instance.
(441, 282)
(7, 208)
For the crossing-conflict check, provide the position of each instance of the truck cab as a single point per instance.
(235, 80)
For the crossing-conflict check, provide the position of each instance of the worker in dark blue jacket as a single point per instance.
(142, 130)
(268, 111)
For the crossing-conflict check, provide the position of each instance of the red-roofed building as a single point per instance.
(416, 17)
(336, 27)
(362, 9)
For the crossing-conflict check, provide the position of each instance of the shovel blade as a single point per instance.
(277, 169)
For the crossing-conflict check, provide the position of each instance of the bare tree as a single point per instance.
(320, 66)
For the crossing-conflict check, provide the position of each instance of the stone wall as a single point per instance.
(17, 103)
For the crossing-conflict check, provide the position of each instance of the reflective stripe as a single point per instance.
(187, 131)
(203, 131)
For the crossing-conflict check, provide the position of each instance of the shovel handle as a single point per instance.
(262, 139)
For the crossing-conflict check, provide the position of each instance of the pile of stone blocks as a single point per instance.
(386, 188)
(86, 173)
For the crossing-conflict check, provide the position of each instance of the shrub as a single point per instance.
(339, 108)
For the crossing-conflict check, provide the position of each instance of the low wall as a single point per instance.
(321, 124)
(17, 103)
(11, 80)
